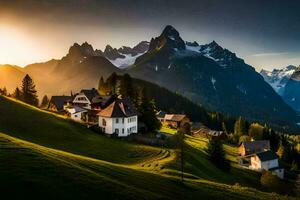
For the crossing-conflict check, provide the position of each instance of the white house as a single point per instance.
(76, 112)
(268, 161)
(119, 117)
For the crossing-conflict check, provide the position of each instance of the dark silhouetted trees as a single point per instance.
(29, 93)
(45, 101)
(216, 154)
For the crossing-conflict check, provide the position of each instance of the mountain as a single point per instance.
(10, 75)
(212, 76)
(278, 77)
(209, 75)
(291, 93)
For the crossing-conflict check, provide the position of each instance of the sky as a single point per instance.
(265, 33)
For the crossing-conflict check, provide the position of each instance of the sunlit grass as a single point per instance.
(80, 174)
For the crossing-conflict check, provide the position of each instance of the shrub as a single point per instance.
(269, 181)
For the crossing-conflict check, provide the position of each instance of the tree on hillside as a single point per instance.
(29, 93)
(45, 101)
(269, 134)
(147, 113)
(216, 154)
(126, 87)
(270, 181)
(101, 83)
(244, 138)
(3, 91)
(111, 82)
(256, 131)
(240, 127)
(184, 129)
(17, 94)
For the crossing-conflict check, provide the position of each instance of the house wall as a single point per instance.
(124, 126)
(279, 173)
(256, 164)
(82, 100)
(52, 107)
(242, 150)
(269, 164)
(77, 116)
(176, 124)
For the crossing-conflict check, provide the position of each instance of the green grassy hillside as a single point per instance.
(46, 156)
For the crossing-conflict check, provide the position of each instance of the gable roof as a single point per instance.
(59, 101)
(266, 155)
(90, 93)
(103, 101)
(254, 145)
(77, 109)
(174, 117)
(119, 108)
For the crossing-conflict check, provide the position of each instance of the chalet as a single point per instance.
(91, 99)
(57, 103)
(120, 117)
(247, 148)
(76, 113)
(174, 120)
(268, 161)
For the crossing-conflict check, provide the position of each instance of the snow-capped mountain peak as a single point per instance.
(278, 77)
(214, 51)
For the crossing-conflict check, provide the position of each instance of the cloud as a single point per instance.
(270, 54)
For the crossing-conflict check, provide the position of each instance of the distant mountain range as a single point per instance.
(206, 74)
(286, 82)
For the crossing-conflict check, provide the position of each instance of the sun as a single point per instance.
(13, 45)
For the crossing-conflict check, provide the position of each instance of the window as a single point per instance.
(122, 130)
(117, 120)
(103, 122)
(128, 120)
(117, 131)
(122, 120)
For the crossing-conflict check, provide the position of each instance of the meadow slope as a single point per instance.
(44, 155)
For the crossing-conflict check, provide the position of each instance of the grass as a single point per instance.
(30, 170)
(51, 130)
(47, 156)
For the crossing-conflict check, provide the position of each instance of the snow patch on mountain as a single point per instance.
(221, 56)
(213, 81)
(125, 62)
(278, 78)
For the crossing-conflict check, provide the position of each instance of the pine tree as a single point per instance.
(17, 94)
(111, 82)
(256, 131)
(101, 83)
(240, 127)
(184, 129)
(126, 87)
(45, 101)
(3, 91)
(216, 154)
(147, 113)
(29, 93)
